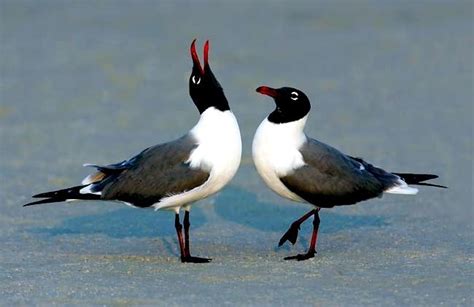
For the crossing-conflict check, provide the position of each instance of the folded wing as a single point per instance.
(329, 178)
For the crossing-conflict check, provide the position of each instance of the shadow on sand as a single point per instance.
(242, 207)
(232, 204)
(122, 223)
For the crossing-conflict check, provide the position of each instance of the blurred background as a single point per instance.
(98, 81)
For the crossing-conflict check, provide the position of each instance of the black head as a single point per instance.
(204, 88)
(291, 104)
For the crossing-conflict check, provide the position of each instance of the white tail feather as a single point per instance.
(88, 179)
(87, 190)
(402, 188)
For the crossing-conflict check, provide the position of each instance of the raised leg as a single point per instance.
(314, 238)
(187, 249)
(292, 233)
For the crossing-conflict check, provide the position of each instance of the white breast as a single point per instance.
(275, 152)
(219, 151)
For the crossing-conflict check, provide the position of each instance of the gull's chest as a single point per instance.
(218, 152)
(219, 144)
(275, 152)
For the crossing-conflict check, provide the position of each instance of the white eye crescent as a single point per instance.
(294, 96)
(196, 81)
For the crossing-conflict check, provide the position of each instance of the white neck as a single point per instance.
(218, 137)
(209, 120)
(289, 134)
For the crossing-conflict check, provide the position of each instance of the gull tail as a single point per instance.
(72, 193)
(418, 179)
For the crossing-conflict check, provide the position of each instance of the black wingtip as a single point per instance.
(62, 195)
(415, 178)
(31, 204)
(44, 201)
(47, 194)
(41, 195)
(432, 185)
(418, 179)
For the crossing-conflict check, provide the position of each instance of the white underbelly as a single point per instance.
(270, 177)
(215, 183)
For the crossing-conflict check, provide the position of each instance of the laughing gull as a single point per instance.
(305, 170)
(172, 175)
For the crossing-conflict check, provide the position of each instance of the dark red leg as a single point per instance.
(314, 238)
(179, 231)
(187, 224)
(292, 233)
(187, 250)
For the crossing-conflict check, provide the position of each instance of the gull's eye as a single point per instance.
(196, 80)
(294, 96)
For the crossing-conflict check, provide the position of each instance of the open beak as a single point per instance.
(265, 90)
(195, 57)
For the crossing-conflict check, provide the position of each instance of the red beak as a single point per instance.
(265, 90)
(195, 57)
(206, 53)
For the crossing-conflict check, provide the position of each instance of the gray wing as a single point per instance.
(331, 178)
(157, 172)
